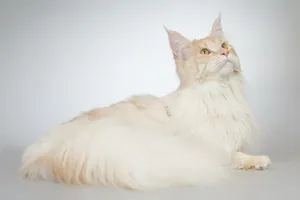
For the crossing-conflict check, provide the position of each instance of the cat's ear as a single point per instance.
(217, 30)
(179, 45)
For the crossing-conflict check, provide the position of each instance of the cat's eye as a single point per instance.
(225, 45)
(205, 51)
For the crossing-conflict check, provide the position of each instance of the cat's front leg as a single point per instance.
(246, 161)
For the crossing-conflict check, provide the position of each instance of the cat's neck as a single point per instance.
(234, 83)
(209, 92)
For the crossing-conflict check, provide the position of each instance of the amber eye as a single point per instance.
(225, 45)
(205, 51)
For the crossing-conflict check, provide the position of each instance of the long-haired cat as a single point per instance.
(192, 135)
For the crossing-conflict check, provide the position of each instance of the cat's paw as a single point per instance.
(246, 162)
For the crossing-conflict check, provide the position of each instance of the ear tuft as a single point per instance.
(217, 30)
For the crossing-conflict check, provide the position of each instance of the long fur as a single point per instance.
(185, 138)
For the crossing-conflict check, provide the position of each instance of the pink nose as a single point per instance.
(225, 53)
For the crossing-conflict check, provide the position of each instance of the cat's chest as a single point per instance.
(220, 118)
(221, 112)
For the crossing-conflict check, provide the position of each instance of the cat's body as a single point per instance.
(184, 138)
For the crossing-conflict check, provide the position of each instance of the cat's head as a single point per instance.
(212, 57)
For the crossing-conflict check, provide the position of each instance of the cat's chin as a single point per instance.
(227, 69)
(235, 62)
(236, 67)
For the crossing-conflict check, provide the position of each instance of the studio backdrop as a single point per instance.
(59, 58)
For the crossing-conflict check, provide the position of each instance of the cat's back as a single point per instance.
(133, 109)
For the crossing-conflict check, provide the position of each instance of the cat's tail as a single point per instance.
(104, 153)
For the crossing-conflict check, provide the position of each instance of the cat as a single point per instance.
(193, 135)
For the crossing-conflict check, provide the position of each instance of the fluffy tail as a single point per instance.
(103, 153)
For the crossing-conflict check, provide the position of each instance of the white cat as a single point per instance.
(192, 135)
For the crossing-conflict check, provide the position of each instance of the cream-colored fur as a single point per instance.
(192, 135)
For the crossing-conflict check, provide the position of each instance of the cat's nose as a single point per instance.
(225, 53)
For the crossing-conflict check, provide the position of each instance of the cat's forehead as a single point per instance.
(209, 42)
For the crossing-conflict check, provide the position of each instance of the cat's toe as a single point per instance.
(264, 163)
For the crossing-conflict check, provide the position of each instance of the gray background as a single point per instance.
(59, 58)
